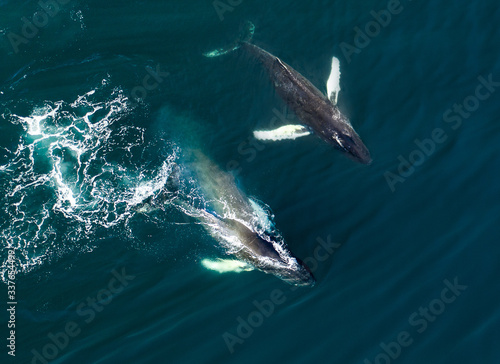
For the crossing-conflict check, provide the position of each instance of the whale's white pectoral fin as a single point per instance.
(226, 265)
(282, 133)
(333, 83)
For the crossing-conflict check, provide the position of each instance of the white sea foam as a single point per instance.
(70, 175)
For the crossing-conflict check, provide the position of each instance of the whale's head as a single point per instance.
(270, 256)
(295, 272)
(283, 264)
(350, 143)
(335, 129)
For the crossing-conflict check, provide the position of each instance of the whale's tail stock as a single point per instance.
(246, 33)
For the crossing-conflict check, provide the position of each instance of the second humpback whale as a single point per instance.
(200, 189)
(318, 112)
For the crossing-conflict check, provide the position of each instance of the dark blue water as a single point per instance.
(405, 251)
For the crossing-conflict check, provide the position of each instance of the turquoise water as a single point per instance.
(405, 250)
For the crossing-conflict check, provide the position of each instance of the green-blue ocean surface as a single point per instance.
(99, 103)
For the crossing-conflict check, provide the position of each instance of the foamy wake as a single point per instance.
(72, 174)
(78, 172)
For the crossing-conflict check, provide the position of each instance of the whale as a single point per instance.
(318, 113)
(243, 228)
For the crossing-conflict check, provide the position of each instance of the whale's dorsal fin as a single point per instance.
(333, 83)
(282, 133)
(281, 64)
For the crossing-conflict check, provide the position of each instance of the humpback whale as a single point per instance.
(236, 221)
(318, 113)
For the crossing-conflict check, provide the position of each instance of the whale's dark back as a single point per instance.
(310, 105)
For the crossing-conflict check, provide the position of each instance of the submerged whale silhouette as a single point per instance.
(233, 219)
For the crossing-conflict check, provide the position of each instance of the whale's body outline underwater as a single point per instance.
(238, 223)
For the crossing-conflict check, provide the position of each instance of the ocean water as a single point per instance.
(405, 251)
